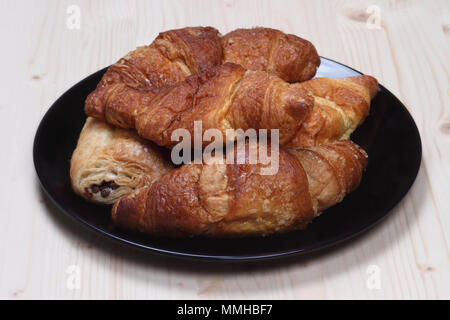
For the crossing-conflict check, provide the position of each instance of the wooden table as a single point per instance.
(44, 54)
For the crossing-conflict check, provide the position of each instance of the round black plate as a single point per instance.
(389, 135)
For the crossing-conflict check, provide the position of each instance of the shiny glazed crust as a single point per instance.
(176, 54)
(171, 57)
(236, 200)
(222, 97)
(287, 56)
(340, 106)
(111, 162)
(227, 96)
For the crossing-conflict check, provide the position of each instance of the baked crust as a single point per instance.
(340, 106)
(235, 200)
(171, 57)
(176, 54)
(287, 56)
(111, 162)
(222, 97)
(228, 96)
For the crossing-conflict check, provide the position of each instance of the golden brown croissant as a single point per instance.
(175, 54)
(340, 106)
(222, 97)
(171, 57)
(111, 162)
(289, 57)
(235, 200)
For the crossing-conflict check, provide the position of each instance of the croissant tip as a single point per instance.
(371, 83)
(124, 214)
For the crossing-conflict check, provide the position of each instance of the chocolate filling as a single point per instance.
(105, 188)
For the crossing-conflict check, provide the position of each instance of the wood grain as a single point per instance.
(41, 58)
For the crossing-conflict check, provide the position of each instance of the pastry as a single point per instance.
(235, 200)
(340, 106)
(287, 56)
(176, 54)
(110, 162)
(222, 97)
(229, 97)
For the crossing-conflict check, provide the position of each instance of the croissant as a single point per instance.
(176, 54)
(235, 200)
(287, 56)
(340, 106)
(222, 97)
(111, 162)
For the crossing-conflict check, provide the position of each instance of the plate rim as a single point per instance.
(325, 244)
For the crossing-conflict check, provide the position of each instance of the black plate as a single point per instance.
(389, 135)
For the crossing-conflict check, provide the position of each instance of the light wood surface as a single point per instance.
(42, 58)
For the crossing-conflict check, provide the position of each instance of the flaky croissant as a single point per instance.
(109, 163)
(340, 106)
(287, 56)
(228, 97)
(223, 97)
(176, 54)
(235, 200)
